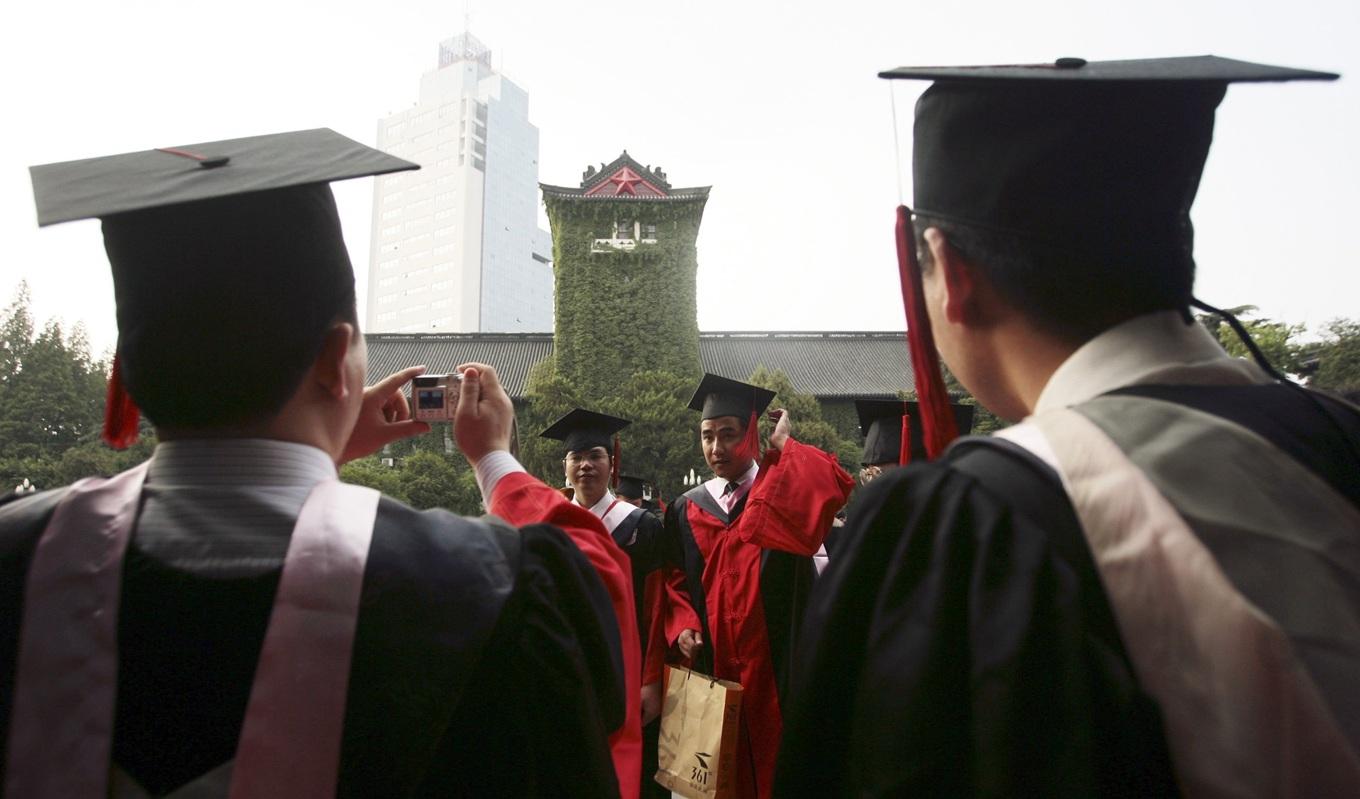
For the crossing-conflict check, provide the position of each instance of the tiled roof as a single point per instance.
(513, 354)
(693, 193)
(827, 365)
(625, 160)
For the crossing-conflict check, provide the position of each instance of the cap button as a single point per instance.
(214, 161)
(1070, 63)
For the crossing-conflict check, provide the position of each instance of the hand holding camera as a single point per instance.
(384, 417)
(484, 417)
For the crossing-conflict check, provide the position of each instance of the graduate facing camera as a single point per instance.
(729, 412)
(588, 446)
(747, 538)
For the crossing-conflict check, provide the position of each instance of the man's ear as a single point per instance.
(329, 370)
(958, 279)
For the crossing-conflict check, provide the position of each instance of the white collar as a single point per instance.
(716, 485)
(238, 461)
(1154, 348)
(599, 508)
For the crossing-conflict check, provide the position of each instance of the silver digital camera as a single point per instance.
(436, 396)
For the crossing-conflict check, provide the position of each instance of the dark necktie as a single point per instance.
(730, 488)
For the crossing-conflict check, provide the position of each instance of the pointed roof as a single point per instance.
(625, 179)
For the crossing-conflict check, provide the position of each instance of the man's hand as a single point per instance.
(384, 417)
(783, 428)
(689, 641)
(651, 703)
(485, 419)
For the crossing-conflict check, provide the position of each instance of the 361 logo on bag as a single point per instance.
(700, 775)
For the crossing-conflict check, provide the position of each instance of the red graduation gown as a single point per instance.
(520, 499)
(788, 510)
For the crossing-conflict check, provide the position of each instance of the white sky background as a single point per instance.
(774, 104)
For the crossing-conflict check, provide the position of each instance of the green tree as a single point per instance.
(371, 472)
(1276, 340)
(806, 415)
(1337, 357)
(662, 443)
(51, 404)
(609, 325)
(432, 480)
(422, 478)
(548, 395)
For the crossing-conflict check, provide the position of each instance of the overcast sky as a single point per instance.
(774, 104)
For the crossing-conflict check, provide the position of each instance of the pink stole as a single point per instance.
(61, 726)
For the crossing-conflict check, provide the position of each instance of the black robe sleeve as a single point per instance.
(536, 716)
(951, 650)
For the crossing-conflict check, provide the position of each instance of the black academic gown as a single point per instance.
(961, 644)
(952, 648)
(639, 535)
(486, 661)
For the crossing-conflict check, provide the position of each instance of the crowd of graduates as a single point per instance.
(1076, 606)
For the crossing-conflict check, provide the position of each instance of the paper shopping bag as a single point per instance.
(700, 716)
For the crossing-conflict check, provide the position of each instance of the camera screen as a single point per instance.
(430, 399)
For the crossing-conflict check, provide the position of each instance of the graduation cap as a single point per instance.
(889, 424)
(582, 430)
(220, 251)
(632, 486)
(721, 396)
(1099, 159)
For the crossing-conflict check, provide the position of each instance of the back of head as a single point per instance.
(1079, 214)
(223, 303)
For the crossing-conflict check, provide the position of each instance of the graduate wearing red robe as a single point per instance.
(747, 556)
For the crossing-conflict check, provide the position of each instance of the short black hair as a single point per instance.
(224, 304)
(1074, 298)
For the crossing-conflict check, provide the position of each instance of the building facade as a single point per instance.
(456, 245)
(625, 260)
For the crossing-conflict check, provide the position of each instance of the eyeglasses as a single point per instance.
(596, 455)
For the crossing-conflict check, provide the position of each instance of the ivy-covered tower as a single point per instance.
(624, 263)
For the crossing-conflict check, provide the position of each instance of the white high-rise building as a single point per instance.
(456, 244)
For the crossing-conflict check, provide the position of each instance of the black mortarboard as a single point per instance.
(225, 255)
(115, 184)
(630, 486)
(1101, 159)
(721, 396)
(1098, 161)
(880, 422)
(581, 430)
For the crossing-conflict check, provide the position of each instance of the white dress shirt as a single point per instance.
(718, 484)
(611, 511)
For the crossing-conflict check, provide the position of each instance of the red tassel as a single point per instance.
(120, 412)
(937, 419)
(614, 467)
(904, 451)
(750, 443)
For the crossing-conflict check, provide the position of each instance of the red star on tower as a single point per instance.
(624, 180)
